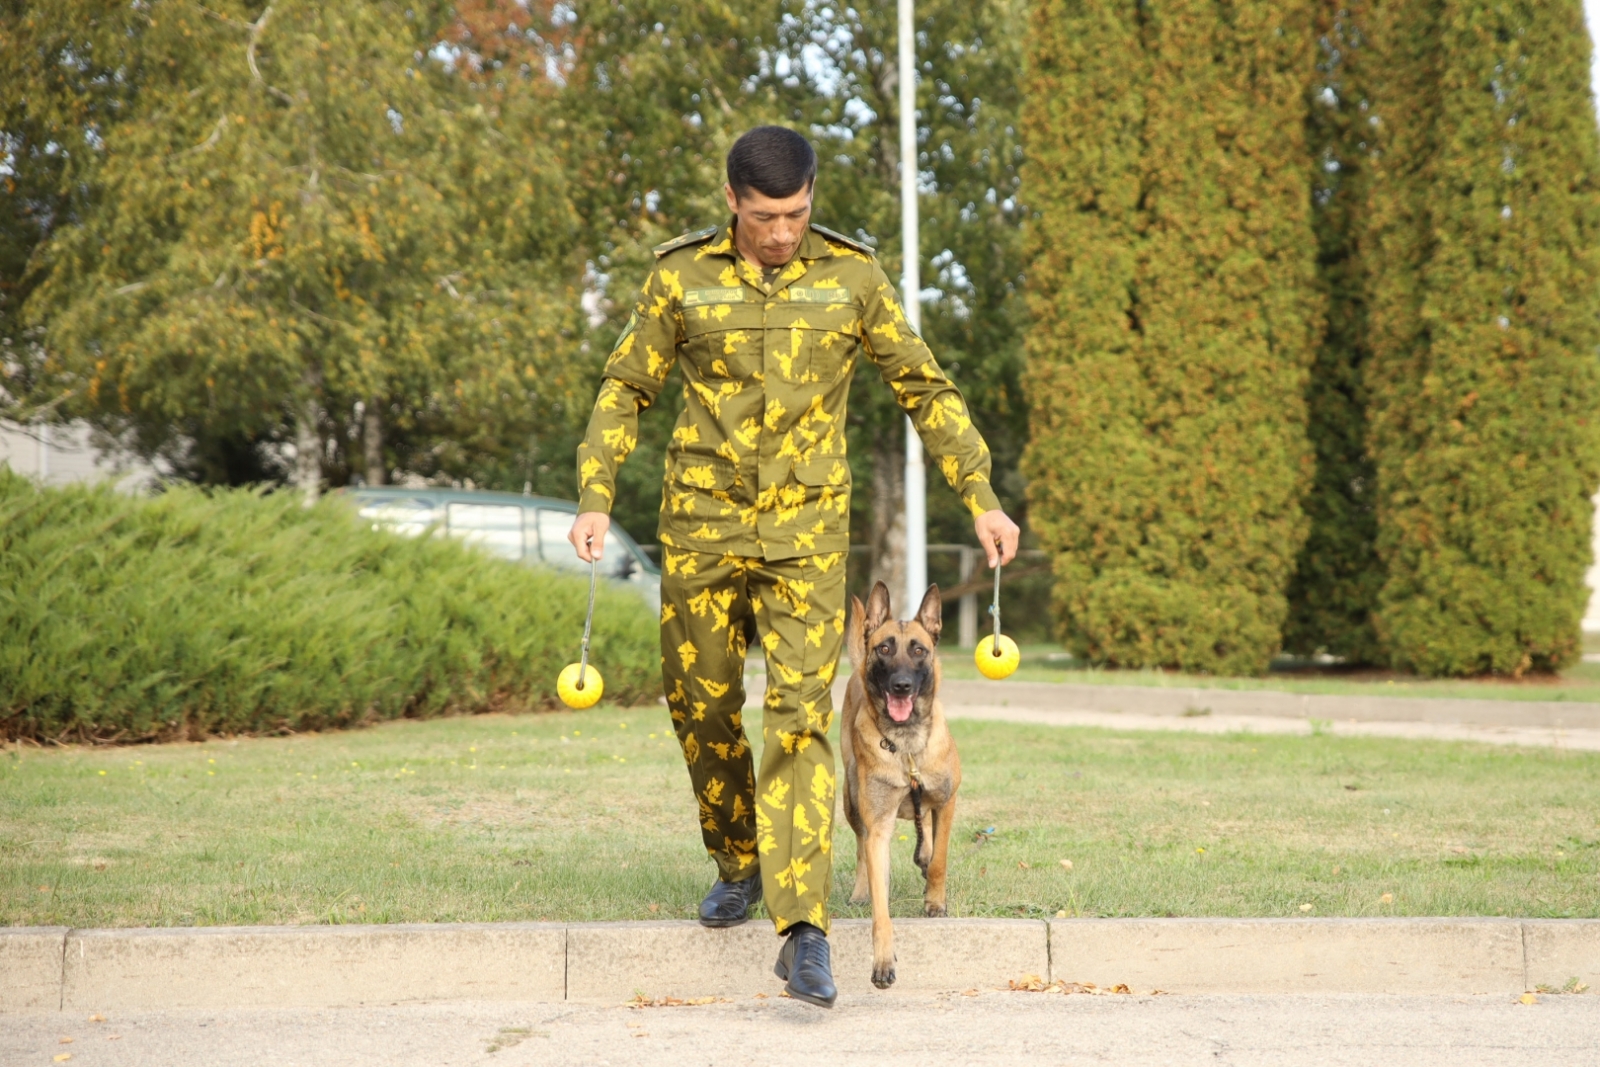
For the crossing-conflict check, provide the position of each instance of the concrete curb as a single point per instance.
(57, 969)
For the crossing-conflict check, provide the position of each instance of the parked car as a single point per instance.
(528, 529)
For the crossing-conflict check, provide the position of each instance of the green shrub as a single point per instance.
(1175, 308)
(1484, 260)
(227, 612)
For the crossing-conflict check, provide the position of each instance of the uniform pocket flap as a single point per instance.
(703, 472)
(823, 470)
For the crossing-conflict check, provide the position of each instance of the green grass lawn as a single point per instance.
(588, 816)
(1047, 663)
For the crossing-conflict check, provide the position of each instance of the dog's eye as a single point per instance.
(918, 651)
(886, 649)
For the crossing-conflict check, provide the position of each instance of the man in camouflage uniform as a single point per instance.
(768, 318)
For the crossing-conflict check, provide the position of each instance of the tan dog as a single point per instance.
(899, 759)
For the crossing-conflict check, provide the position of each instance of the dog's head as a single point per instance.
(897, 658)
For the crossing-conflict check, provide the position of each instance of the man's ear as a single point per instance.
(877, 608)
(732, 198)
(931, 613)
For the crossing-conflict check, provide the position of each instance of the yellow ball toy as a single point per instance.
(997, 666)
(580, 697)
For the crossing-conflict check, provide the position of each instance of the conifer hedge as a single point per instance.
(1173, 291)
(1484, 330)
(225, 612)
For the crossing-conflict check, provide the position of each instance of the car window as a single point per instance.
(408, 516)
(496, 527)
(615, 562)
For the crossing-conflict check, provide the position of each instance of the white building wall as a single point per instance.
(62, 455)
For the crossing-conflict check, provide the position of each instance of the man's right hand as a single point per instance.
(588, 534)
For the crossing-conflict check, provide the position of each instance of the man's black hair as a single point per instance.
(773, 160)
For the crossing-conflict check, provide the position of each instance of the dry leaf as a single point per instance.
(97, 1018)
(65, 1041)
(1062, 913)
(1387, 898)
(969, 992)
(641, 1001)
(1066, 864)
(63, 1057)
(1526, 998)
(1022, 866)
(1305, 907)
(654, 908)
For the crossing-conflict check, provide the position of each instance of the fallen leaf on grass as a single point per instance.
(641, 1001)
(1387, 898)
(1305, 907)
(1066, 864)
(1023, 866)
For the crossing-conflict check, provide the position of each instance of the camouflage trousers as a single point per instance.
(779, 821)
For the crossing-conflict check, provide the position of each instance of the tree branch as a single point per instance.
(256, 29)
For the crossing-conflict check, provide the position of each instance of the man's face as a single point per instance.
(769, 231)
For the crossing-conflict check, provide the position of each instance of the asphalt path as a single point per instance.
(1546, 724)
(882, 1030)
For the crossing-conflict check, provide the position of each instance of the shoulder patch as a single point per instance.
(687, 239)
(848, 242)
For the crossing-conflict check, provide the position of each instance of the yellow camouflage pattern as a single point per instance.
(757, 463)
(778, 824)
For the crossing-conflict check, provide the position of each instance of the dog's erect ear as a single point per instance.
(877, 608)
(931, 613)
(855, 634)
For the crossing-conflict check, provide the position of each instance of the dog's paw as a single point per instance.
(933, 911)
(860, 897)
(883, 977)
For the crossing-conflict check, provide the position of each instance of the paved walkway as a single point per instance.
(1556, 724)
(881, 1030)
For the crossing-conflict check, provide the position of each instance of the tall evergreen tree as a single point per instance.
(1334, 592)
(1485, 327)
(1172, 283)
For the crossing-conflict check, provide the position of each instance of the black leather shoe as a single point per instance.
(728, 903)
(804, 964)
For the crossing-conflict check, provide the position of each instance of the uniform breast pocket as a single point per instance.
(822, 339)
(721, 339)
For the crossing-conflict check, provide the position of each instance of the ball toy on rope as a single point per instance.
(579, 685)
(997, 655)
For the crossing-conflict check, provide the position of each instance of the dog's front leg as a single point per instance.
(933, 899)
(880, 829)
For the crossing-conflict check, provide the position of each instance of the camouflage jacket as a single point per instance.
(756, 466)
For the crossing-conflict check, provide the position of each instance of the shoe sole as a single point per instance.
(723, 924)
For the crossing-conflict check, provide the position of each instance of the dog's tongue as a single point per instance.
(899, 708)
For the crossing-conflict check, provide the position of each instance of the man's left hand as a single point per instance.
(996, 530)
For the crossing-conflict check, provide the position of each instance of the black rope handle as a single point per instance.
(588, 620)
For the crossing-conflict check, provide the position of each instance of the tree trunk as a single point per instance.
(889, 513)
(372, 442)
(308, 451)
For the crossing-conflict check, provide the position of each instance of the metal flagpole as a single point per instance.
(911, 292)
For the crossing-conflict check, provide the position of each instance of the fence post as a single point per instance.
(969, 602)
